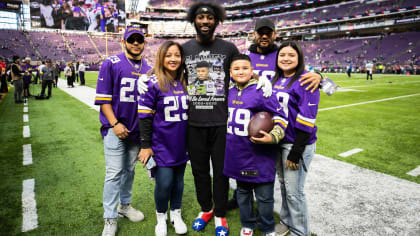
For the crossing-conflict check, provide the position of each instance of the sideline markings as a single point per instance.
(30, 216)
(26, 131)
(361, 103)
(351, 152)
(25, 118)
(415, 172)
(25, 109)
(27, 154)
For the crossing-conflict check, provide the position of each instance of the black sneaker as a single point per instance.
(232, 204)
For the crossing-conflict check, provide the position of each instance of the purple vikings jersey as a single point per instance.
(117, 83)
(264, 65)
(244, 160)
(300, 106)
(169, 111)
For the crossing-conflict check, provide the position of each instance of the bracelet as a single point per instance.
(322, 77)
(116, 123)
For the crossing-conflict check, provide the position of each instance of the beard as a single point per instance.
(205, 36)
(132, 54)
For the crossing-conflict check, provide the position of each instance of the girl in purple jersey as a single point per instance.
(298, 145)
(163, 129)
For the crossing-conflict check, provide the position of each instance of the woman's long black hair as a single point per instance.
(300, 68)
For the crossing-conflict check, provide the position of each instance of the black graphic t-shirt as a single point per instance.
(208, 81)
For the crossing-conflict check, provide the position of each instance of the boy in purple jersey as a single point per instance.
(163, 129)
(263, 54)
(115, 93)
(246, 159)
(298, 145)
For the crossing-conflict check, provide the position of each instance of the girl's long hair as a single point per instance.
(300, 68)
(165, 80)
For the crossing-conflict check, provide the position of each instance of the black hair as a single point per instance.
(203, 64)
(241, 57)
(219, 16)
(15, 58)
(300, 68)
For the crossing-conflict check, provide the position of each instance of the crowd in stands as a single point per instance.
(92, 15)
(395, 49)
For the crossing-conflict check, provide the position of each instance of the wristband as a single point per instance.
(116, 123)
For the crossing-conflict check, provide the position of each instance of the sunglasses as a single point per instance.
(265, 31)
(139, 40)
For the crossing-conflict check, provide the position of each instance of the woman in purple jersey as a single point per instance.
(163, 129)
(298, 145)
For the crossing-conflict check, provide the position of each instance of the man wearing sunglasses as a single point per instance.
(115, 93)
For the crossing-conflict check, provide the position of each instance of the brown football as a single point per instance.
(260, 121)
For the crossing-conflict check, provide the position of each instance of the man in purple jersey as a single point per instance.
(263, 54)
(115, 93)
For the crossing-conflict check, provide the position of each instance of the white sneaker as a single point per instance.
(177, 222)
(160, 229)
(281, 229)
(110, 227)
(246, 232)
(271, 234)
(128, 211)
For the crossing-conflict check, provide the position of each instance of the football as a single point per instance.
(260, 121)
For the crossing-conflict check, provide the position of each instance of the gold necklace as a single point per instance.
(136, 67)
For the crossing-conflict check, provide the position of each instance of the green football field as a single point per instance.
(68, 164)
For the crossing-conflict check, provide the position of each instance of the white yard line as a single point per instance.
(377, 84)
(362, 103)
(351, 152)
(26, 131)
(25, 118)
(27, 154)
(415, 172)
(25, 109)
(30, 216)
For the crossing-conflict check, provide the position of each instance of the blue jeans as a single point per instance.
(169, 187)
(120, 161)
(294, 211)
(265, 204)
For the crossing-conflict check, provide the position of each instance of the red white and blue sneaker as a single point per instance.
(202, 219)
(222, 228)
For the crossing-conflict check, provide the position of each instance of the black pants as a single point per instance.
(205, 144)
(3, 86)
(349, 73)
(367, 75)
(44, 84)
(70, 81)
(82, 78)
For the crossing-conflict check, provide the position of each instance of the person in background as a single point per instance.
(27, 76)
(17, 78)
(349, 70)
(82, 69)
(57, 73)
(369, 71)
(3, 77)
(47, 78)
(77, 72)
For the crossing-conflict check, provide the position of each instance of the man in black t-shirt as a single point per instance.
(208, 115)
